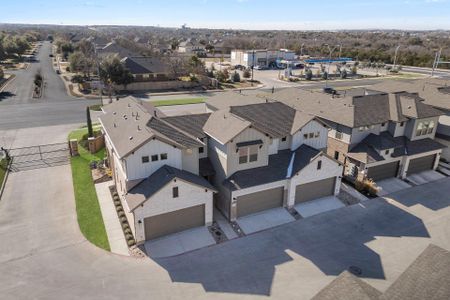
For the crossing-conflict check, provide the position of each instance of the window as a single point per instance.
(201, 150)
(430, 127)
(175, 192)
(338, 135)
(419, 129)
(305, 136)
(402, 124)
(319, 165)
(386, 152)
(253, 153)
(336, 154)
(317, 134)
(163, 156)
(145, 159)
(243, 155)
(311, 135)
(383, 124)
(284, 139)
(155, 157)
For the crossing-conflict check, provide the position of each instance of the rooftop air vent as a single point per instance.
(130, 138)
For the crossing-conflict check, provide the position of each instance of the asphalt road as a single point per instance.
(43, 255)
(19, 110)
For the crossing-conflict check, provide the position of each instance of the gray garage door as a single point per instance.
(421, 164)
(259, 201)
(383, 171)
(314, 190)
(175, 221)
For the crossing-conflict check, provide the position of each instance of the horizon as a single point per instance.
(408, 15)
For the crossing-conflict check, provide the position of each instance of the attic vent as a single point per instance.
(130, 138)
(115, 125)
(129, 105)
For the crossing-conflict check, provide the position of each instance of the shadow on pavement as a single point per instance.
(5, 95)
(333, 242)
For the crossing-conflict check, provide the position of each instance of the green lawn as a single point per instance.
(3, 165)
(88, 210)
(178, 101)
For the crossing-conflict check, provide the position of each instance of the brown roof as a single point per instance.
(223, 125)
(348, 287)
(224, 100)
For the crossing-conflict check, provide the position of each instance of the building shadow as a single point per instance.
(6, 95)
(334, 242)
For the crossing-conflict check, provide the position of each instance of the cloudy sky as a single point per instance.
(237, 14)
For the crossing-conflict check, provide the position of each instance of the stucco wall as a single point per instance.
(163, 202)
(190, 161)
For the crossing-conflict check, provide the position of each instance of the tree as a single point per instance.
(236, 77)
(89, 122)
(66, 49)
(354, 70)
(308, 74)
(221, 76)
(325, 75)
(246, 73)
(112, 71)
(81, 63)
(2, 74)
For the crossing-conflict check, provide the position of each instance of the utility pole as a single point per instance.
(437, 58)
(98, 71)
(253, 62)
(395, 57)
(301, 49)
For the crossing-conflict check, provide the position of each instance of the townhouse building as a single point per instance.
(375, 135)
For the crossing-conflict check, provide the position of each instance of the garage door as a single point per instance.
(421, 164)
(175, 221)
(259, 201)
(314, 190)
(383, 171)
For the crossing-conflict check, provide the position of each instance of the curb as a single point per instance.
(8, 81)
(2, 188)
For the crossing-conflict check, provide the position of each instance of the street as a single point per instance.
(19, 110)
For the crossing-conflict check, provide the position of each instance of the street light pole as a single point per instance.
(395, 57)
(329, 63)
(253, 63)
(437, 58)
(301, 49)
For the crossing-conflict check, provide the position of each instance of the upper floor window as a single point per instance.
(383, 124)
(248, 154)
(163, 156)
(175, 192)
(336, 155)
(424, 128)
(201, 150)
(145, 159)
(317, 134)
(338, 135)
(311, 135)
(283, 139)
(386, 152)
(155, 157)
(319, 165)
(402, 124)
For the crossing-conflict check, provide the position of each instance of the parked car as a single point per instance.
(259, 67)
(58, 72)
(239, 67)
(329, 90)
(50, 55)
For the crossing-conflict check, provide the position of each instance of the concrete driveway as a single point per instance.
(179, 243)
(425, 177)
(264, 220)
(44, 256)
(391, 185)
(318, 206)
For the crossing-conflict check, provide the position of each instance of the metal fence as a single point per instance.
(40, 156)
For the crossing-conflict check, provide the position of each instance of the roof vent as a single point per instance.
(114, 113)
(125, 117)
(115, 125)
(129, 105)
(139, 128)
(409, 107)
(130, 138)
(132, 113)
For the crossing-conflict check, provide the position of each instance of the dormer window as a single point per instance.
(283, 139)
(402, 124)
(386, 152)
(383, 124)
(145, 159)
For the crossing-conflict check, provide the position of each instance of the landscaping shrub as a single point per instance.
(127, 231)
(125, 226)
(129, 236)
(123, 219)
(367, 186)
(115, 194)
(117, 202)
(121, 214)
(119, 208)
(131, 243)
(116, 198)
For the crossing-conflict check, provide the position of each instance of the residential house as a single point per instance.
(113, 48)
(434, 92)
(156, 166)
(375, 136)
(193, 47)
(144, 68)
(268, 155)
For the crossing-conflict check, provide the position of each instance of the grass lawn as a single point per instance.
(88, 210)
(3, 165)
(178, 101)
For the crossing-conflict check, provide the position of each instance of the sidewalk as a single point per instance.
(113, 228)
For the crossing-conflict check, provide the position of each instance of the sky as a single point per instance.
(235, 14)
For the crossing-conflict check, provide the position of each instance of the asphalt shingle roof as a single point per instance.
(192, 124)
(173, 133)
(150, 186)
(276, 170)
